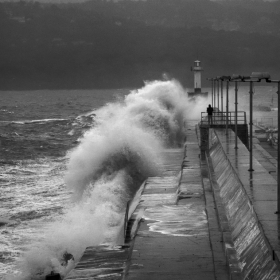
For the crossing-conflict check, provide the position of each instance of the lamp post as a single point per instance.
(236, 104)
(212, 90)
(251, 127)
(227, 79)
(215, 99)
(235, 78)
(218, 91)
(278, 157)
(222, 95)
(278, 154)
(227, 89)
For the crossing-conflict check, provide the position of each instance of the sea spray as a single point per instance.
(108, 149)
(96, 219)
(111, 161)
(129, 135)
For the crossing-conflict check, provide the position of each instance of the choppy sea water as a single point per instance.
(37, 130)
(70, 160)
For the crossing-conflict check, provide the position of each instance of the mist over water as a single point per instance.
(113, 158)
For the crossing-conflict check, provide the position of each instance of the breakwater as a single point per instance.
(245, 241)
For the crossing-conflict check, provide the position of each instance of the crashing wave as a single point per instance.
(112, 159)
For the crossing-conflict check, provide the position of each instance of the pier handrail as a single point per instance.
(219, 118)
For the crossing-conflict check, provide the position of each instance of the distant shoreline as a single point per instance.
(66, 85)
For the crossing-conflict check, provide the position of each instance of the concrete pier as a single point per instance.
(260, 189)
(174, 240)
(205, 217)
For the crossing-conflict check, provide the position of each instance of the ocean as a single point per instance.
(71, 159)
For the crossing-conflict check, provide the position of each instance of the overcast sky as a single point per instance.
(77, 1)
(43, 1)
(62, 1)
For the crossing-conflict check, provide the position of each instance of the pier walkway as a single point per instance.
(173, 233)
(175, 239)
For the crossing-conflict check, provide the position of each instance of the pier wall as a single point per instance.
(242, 131)
(107, 261)
(254, 258)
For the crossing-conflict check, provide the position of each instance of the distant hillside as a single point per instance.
(239, 15)
(102, 44)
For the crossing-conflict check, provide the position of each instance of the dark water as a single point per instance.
(37, 123)
(37, 129)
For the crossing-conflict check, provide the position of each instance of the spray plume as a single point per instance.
(105, 170)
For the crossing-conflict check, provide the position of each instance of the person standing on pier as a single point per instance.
(210, 113)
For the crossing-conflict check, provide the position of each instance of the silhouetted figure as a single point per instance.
(210, 113)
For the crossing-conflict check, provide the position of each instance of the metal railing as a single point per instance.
(219, 118)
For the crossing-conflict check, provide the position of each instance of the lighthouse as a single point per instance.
(197, 69)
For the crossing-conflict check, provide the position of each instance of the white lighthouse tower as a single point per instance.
(197, 69)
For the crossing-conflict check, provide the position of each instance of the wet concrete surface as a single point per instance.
(174, 231)
(260, 187)
(174, 240)
(105, 261)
